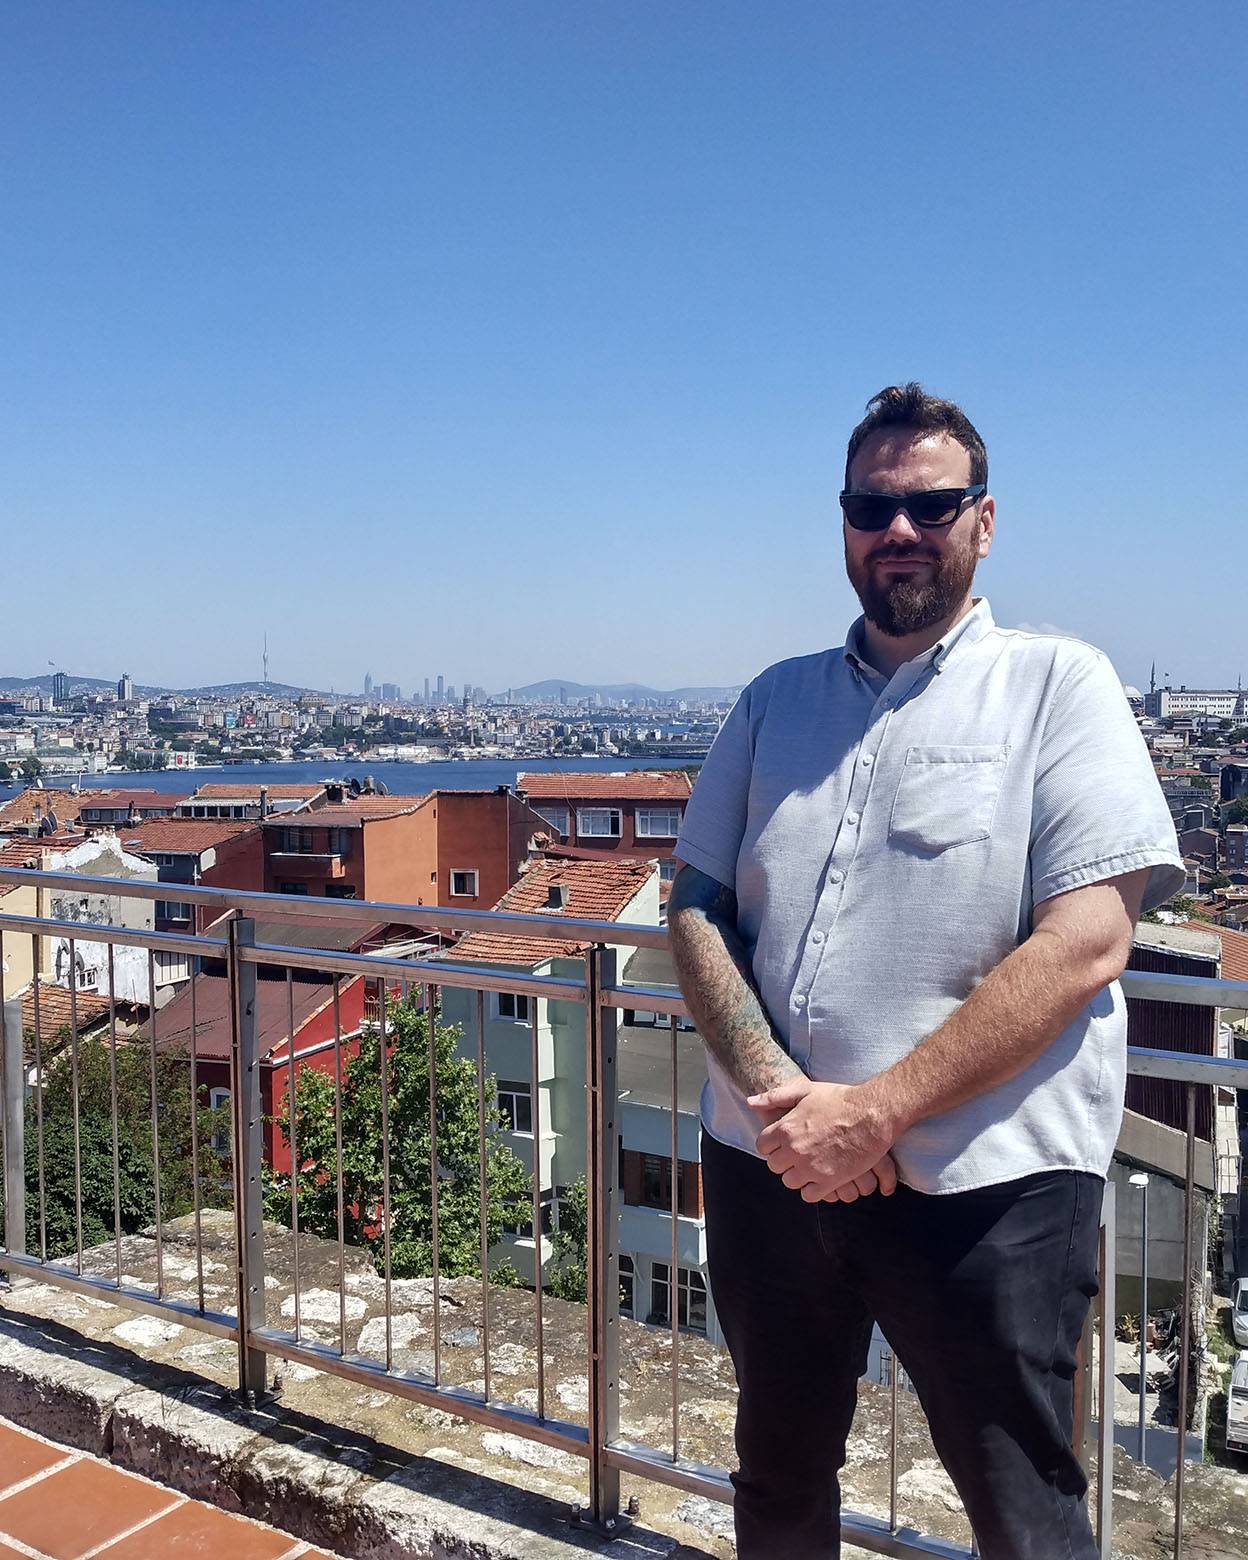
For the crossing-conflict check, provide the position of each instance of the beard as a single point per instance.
(910, 603)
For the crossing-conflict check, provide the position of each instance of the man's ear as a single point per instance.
(987, 524)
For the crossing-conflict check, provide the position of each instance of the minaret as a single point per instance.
(1152, 679)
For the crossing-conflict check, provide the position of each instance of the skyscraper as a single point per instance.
(60, 689)
(368, 684)
(426, 690)
(441, 688)
(125, 687)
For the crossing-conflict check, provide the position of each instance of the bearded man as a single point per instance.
(912, 868)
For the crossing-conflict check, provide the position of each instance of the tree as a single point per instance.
(1237, 811)
(30, 768)
(1217, 880)
(569, 1280)
(507, 1182)
(136, 1173)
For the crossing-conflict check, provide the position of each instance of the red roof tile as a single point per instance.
(344, 815)
(181, 836)
(1234, 948)
(56, 1010)
(150, 800)
(596, 891)
(31, 805)
(638, 785)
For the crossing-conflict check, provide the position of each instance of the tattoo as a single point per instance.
(717, 983)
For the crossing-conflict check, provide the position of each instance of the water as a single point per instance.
(470, 774)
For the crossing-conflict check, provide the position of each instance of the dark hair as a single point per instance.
(910, 407)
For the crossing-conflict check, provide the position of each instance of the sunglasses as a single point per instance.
(932, 509)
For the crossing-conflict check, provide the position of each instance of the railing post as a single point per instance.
(603, 1276)
(248, 1113)
(1108, 1307)
(13, 1085)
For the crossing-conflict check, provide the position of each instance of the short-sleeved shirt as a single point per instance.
(888, 839)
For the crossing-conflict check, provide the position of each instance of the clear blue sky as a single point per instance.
(511, 339)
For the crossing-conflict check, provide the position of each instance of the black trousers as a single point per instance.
(983, 1297)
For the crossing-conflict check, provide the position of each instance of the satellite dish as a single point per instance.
(382, 788)
(353, 785)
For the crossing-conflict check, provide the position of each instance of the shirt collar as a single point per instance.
(977, 622)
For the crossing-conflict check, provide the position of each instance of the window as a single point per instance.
(640, 1018)
(668, 869)
(295, 842)
(172, 910)
(556, 817)
(219, 1099)
(602, 822)
(171, 967)
(464, 883)
(656, 1183)
(628, 1278)
(690, 1300)
(515, 1106)
(658, 823)
(292, 888)
(514, 1006)
(340, 891)
(340, 842)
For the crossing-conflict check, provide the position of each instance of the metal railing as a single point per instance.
(599, 990)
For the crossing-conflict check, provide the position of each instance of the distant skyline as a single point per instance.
(506, 341)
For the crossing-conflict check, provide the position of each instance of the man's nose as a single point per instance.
(903, 529)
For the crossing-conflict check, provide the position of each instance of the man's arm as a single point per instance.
(713, 968)
(1080, 942)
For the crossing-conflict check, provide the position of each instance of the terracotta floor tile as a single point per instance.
(8, 1553)
(199, 1530)
(84, 1505)
(21, 1456)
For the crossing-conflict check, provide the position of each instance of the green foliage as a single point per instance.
(569, 1280)
(1236, 812)
(411, 1228)
(136, 1172)
(1217, 880)
(30, 767)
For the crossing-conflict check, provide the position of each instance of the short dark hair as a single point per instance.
(909, 407)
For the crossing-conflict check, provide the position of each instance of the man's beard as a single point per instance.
(910, 603)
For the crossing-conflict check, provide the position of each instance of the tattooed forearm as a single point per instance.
(715, 980)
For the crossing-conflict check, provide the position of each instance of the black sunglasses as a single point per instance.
(932, 509)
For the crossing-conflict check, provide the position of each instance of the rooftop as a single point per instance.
(245, 790)
(182, 836)
(56, 1010)
(1234, 948)
(641, 785)
(34, 803)
(212, 1015)
(595, 890)
(350, 813)
(166, 801)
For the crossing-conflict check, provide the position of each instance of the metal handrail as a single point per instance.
(603, 995)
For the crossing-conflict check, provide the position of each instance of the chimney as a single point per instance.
(132, 814)
(557, 896)
(264, 801)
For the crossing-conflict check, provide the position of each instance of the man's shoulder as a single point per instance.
(798, 671)
(1047, 647)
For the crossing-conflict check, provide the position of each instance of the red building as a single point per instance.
(456, 848)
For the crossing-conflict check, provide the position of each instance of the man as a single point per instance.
(912, 869)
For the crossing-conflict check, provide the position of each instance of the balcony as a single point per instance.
(385, 1376)
(317, 865)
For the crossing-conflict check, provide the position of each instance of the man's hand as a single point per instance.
(827, 1140)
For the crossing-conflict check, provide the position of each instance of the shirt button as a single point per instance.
(867, 761)
(816, 937)
(851, 819)
(835, 877)
(799, 1000)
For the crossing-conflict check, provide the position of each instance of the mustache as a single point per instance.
(907, 554)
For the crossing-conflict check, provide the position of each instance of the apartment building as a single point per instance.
(109, 809)
(462, 849)
(546, 1113)
(636, 813)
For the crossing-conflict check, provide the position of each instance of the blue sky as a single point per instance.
(522, 340)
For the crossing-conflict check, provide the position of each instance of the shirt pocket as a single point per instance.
(947, 796)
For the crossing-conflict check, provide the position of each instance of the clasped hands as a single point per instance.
(830, 1141)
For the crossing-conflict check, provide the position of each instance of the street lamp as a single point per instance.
(1141, 1180)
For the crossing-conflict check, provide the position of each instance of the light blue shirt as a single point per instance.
(887, 840)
